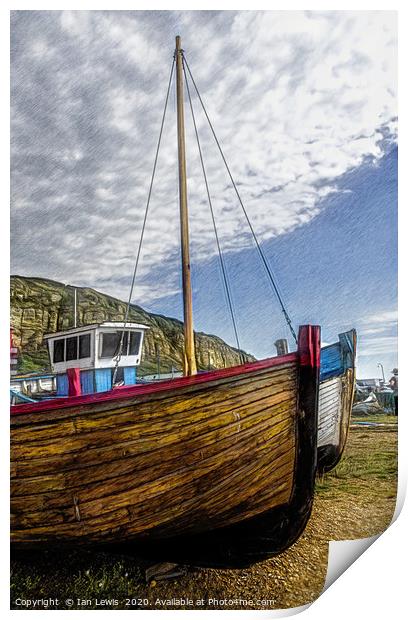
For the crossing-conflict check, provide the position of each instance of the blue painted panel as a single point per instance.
(348, 342)
(129, 375)
(331, 362)
(62, 385)
(17, 396)
(103, 379)
(87, 382)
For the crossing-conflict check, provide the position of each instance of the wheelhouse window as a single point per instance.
(84, 346)
(59, 350)
(111, 343)
(134, 346)
(72, 348)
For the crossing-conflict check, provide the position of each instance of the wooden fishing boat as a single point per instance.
(231, 449)
(336, 394)
(214, 469)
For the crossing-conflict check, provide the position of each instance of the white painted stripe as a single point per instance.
(329, 412)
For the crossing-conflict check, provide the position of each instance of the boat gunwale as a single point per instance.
(127, 392)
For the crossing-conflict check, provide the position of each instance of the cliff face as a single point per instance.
(40, 306)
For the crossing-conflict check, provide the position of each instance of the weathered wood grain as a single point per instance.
(102, 489)
(153, 506)
(329, 411)
(346, 405)
(152, 463)
(175, 406)
(335, 404)
(23, 415)
(173, 463)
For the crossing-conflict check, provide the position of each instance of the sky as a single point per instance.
(304, 104)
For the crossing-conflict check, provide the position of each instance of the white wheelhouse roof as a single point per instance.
(93, 326)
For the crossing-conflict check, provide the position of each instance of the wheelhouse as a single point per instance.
(94, 350)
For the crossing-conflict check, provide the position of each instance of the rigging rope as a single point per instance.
(223, 269)
(260, 251)
(119, 355)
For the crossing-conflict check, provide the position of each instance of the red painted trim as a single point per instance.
(309, 345)
(74, 382)
(151, 388)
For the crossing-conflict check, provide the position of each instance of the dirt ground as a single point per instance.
(356, 500)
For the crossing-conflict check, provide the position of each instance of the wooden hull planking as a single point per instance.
(336, 396)
(176, 472)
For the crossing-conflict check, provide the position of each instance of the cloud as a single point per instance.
(382, 345)
(377, 334)
(386, 318)
(297, 99)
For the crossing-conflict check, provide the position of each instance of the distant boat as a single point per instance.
(214, 469)
(85, 355)
(336, 395)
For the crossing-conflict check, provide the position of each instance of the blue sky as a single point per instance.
(307, 117)
(339, 271)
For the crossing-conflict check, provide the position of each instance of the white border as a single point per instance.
(374, 586)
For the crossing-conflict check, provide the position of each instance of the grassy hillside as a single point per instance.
(40, 306)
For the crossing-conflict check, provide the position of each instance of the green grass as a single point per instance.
(382, 418)
(75, 575)
(367, 461)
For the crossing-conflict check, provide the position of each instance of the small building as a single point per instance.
(94, 350)
(13, 355)
(369, 384)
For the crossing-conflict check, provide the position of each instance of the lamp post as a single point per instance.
(382, 369)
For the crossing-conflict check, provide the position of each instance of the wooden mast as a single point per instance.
(189, 361)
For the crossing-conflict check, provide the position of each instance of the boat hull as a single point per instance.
(215, 470)
(336, 394)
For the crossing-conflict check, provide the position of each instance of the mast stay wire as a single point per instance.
(222, 263)
(120, 351)
(260, 251)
